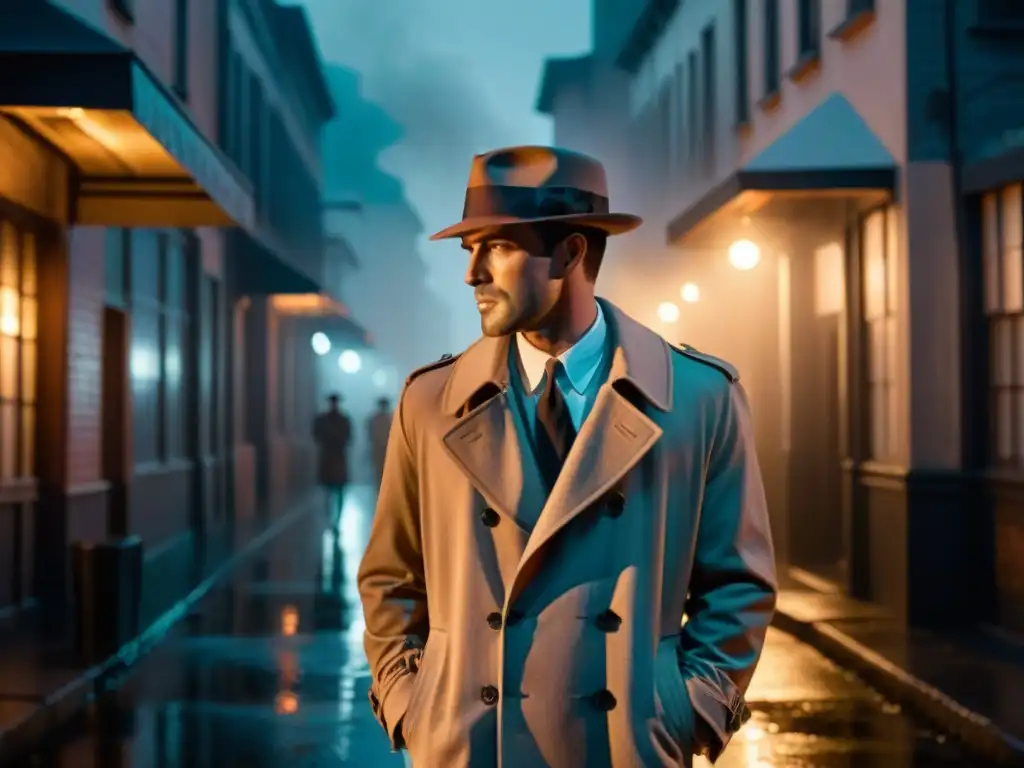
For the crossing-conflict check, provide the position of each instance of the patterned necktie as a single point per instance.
(555, 431)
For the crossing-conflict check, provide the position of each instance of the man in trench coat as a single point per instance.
(526, 611)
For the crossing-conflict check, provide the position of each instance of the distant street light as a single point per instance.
(321, 344)
(690, 293)
(349, 361)
(668, 312)
(380, 379)
(744, 255)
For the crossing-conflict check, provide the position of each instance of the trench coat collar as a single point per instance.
(639, 357)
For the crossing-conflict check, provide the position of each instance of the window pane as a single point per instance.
(1017, 349)
(1012, 280)
(890, 349)
(28, 441)
(990, 251)
(874, 266)
(8, 367)
(1018, 448)
(28, 371)
(8, 439)
(1013, 288)
(29, 317)
(891, 260)
(8, 255)
(1002, 353)
(1002, 423)
(29, 282)
(876, 352)
(890, 419)
(878, 422)
(10, 312)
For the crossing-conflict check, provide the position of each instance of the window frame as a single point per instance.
(771, 45)
(880, 334)
(709, 103)
(1003, 308)
(25, 461)
(741, 21)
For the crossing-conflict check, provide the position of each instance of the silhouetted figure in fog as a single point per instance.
(332, 431)
(378, 428)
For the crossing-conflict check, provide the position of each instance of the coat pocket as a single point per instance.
(673, 700)
(427, 680)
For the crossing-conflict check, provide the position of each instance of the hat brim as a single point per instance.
(610, 223)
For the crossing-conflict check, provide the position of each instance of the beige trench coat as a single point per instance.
(508, 629)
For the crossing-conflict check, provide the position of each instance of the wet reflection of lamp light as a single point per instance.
(321, 344)
(668, 312)
(744, 254)
(289, 620)
(690, 293)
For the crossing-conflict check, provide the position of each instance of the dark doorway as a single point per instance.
(117, 414)
(817, 543)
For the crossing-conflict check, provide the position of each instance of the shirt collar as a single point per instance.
(580, 361)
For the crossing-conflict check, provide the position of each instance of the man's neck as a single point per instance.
(566, 329)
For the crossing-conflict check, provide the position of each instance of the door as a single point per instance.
(817, 543)
(116, 410)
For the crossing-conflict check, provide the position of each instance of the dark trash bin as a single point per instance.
(107, 579)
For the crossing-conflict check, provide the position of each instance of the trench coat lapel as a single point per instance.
(485, 442)
(616, 435)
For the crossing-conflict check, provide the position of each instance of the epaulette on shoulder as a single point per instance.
(445, 359)
(694, 354)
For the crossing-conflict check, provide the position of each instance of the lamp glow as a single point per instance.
(349, 361)
(321, 344)
(690, 293)
(668, 312)
(744, 255)
(380, 379)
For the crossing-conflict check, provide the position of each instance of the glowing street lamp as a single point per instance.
(744, 255)
(690, 293)
(668, 312)
(349, 361)
(321, 344)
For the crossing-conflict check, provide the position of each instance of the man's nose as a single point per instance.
(476, 274)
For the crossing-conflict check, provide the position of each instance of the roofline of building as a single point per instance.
(556, 73)
(647, 30)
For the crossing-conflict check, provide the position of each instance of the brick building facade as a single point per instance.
(140, 224)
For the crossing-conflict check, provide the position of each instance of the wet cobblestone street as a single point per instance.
(270, 672)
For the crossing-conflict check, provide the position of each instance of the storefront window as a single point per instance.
(1002, 240)
(18, 325)
(879, 265)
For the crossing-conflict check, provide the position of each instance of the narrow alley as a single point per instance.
(269, 671)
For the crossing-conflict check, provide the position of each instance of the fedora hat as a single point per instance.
(520, 185)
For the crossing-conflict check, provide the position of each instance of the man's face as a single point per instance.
(515, 282)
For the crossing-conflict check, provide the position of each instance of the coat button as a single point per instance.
(489, 695)
(494, 620)
(489, 517)
(513, 617)
(608, 621)
(603, 701)
(615, 503)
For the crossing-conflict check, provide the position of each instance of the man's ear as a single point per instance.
(568, 255)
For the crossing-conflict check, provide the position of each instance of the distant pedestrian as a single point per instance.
(332, 431)
(378, 428)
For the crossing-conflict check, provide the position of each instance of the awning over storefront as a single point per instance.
(324, 314)
(140, 160)
(830, 153)
(266, 265)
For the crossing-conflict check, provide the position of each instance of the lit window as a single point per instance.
(18, 331)
(879, 241)
(1002, 239)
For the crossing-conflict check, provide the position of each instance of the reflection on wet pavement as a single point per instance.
(270, 672)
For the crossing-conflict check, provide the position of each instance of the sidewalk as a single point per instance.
(42, 687)
(969, 683)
